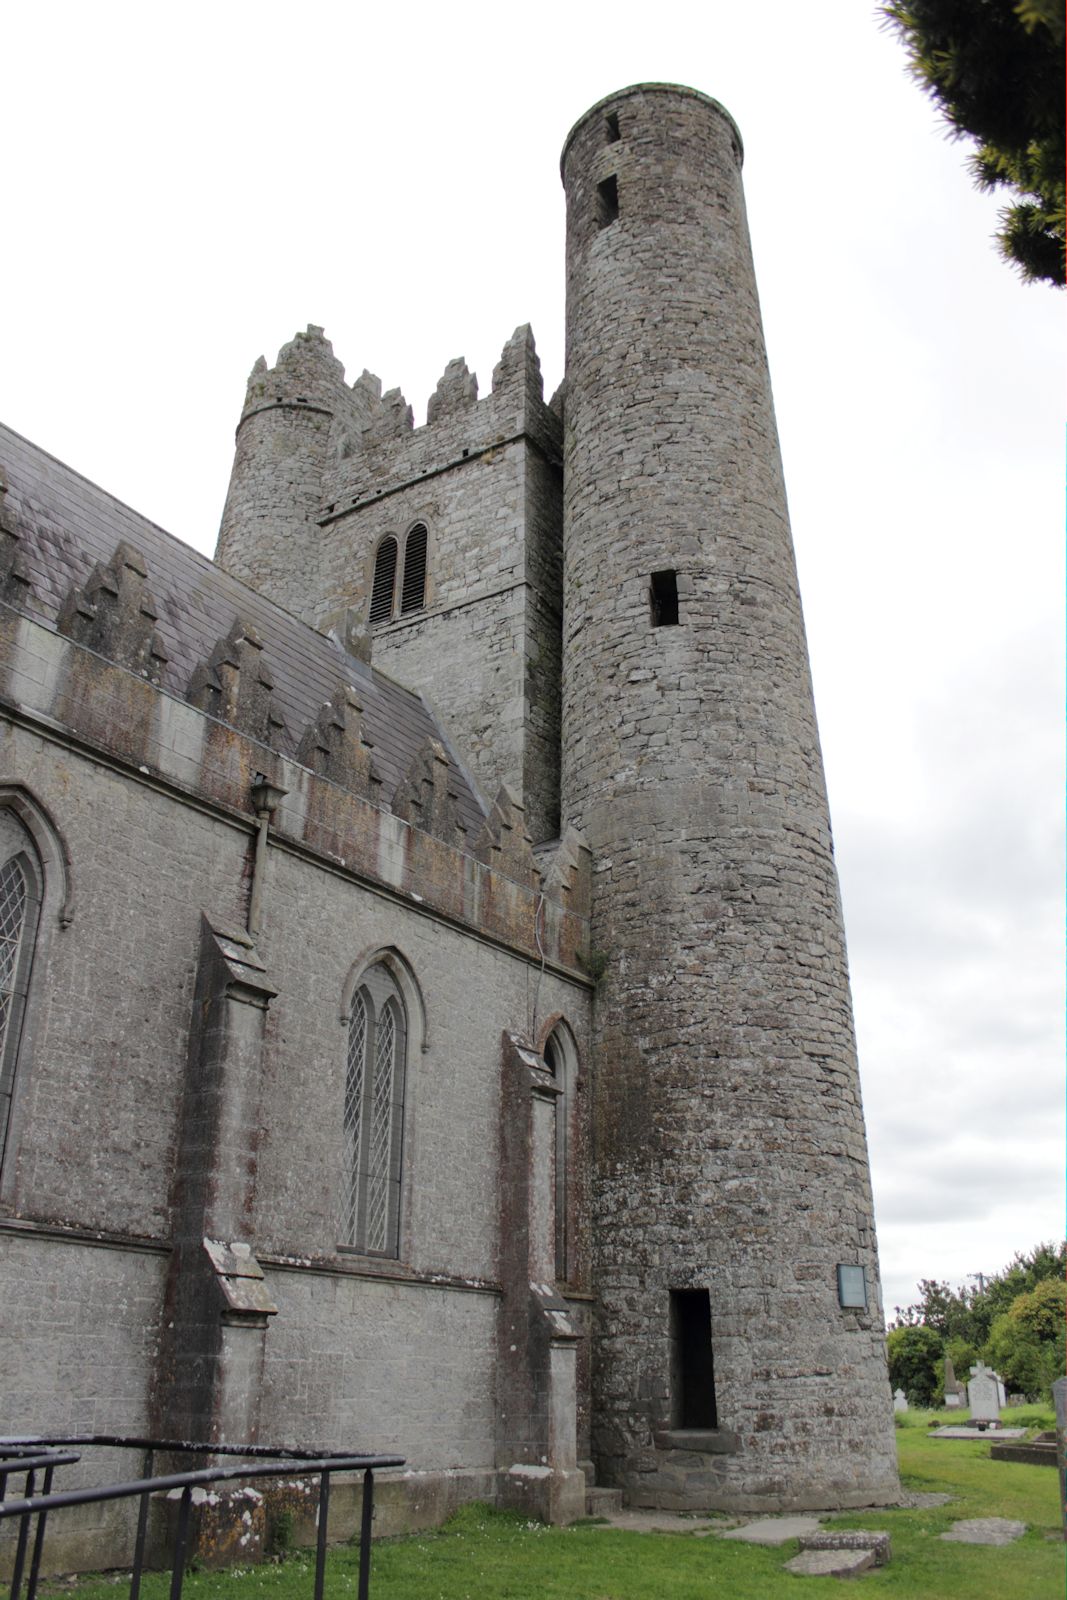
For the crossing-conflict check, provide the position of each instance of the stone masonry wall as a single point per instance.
(484, 478)
(150, 815)
(730, 1149)
(324, 471)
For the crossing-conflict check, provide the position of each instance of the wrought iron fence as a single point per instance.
(36, 1458)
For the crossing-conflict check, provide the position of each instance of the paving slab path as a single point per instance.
(984, 1530)
(773, 1530)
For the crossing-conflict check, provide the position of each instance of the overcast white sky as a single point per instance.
(185, 187)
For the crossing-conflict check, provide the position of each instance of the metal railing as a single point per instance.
(39, 1455)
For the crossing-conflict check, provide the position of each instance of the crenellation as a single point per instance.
(426, 795)
(235, 686)
(335, 746)
(457, 390)
(115, 615)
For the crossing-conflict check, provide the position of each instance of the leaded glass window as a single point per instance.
(373, 1125)
(20, 897)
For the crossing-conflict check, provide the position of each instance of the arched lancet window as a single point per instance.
(373, 1129)
(561, 1059)
(384, 584)
(413, 590)
(21, 886)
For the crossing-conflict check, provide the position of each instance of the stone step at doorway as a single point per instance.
(602, 1502)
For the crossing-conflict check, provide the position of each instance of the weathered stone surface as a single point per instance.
(831, 1563)
(115, 615)
(235, 685)
(984, 1530)
(690, 761)
(14, 574)
(504, 844)
(850, 1539)
(1039, 1452)
(457, 389)
(334, 745)
(426, 796)
(983, 1395)
(773, 1530)
(164, 1104)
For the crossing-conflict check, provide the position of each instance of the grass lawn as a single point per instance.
(488, 1555)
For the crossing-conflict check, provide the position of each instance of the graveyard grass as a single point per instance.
(483, 1554)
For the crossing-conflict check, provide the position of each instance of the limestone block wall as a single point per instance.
(483, 477)
(324, 471)
(149, 817)
(96, 1114)
(730, 1149)
(384, 1365)
(58, 1297)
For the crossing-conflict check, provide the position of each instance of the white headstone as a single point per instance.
(983, 1394)
(900, 1400)
(952, 1399)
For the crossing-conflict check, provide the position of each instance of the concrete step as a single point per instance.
(602, 1502)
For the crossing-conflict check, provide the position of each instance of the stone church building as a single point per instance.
(425, 1022)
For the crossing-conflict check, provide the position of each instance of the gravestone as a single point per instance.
(1059, 1395)
(900, 1400)
(983, 1396)
(954, 1390)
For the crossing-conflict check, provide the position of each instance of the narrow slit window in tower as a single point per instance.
(612, 124)
(381, 595)
(692, 1369)
(413, 591)
(663, 599)
(607, 194)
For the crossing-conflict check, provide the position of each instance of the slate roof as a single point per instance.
(67, 525)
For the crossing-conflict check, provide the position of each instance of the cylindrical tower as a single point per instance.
(269, 537)
(732, 1180)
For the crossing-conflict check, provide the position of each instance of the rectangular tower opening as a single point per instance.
(611, 122)
(692, 1368)
(607, 196)
(663, 599)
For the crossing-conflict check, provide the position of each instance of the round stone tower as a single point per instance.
(736, 1363)
(269, 537)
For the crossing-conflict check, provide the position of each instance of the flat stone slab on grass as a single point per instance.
(655, 1522)
(850, 1539)
(831, 1563)
(965, 1432)
(774, 1530)
(985, 1530)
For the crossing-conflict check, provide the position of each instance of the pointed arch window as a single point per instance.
(20, 903)
(373, 1123)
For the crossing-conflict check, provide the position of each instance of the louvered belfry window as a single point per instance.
(413, 594)
(373, 1127)
(384, 585)
(20, 898)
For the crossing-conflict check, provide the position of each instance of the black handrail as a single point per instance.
(29, 1453)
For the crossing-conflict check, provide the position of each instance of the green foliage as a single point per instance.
(1014, 1319)
(281, 1533)
(915, 1356)
(995, 69)
(963, 1356)
(1026, 1342)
